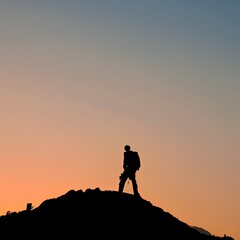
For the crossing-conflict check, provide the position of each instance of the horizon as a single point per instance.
(81, 79)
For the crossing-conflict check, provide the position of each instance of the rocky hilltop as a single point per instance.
(97, 214)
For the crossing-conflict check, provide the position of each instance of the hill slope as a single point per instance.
(95, 214)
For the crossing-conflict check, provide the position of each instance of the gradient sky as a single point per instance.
(80, 79)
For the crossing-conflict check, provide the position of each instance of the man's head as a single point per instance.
(127, 148)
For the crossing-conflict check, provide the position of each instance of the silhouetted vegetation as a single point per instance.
(96, 214)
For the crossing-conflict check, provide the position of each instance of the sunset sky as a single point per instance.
(81, 79)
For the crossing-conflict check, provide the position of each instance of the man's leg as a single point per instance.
(123, 179)
(135, 187)
(134, 184)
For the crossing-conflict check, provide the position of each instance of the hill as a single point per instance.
(97, 214)
(201, 230)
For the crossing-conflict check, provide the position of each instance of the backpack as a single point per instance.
(136, 160)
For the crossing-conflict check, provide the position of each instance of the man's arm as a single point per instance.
(124, 161)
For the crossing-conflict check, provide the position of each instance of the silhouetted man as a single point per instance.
(131, 163)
